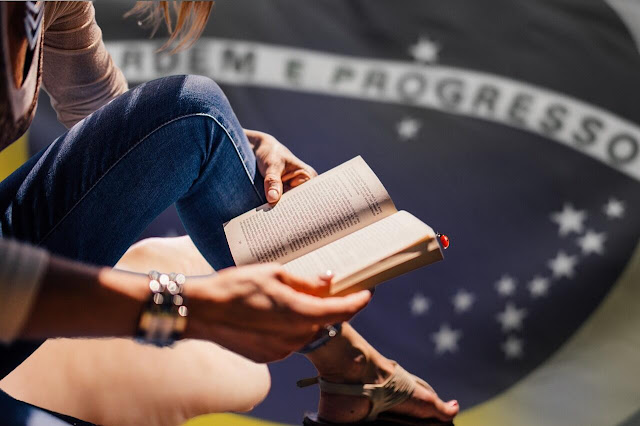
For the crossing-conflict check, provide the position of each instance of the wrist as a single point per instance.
(206, 295)
(76, 300)
(125, 293)
(129, 285)
(163, 319)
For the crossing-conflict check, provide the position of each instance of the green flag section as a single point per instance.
(591, 380)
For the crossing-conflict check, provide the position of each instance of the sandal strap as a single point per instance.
(397, 389)
(303, 383)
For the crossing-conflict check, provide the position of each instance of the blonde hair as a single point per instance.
(191, 19)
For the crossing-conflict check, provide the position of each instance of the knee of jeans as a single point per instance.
(199, 97)
(203, 95)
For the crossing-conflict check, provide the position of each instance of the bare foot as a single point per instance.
(350, 359)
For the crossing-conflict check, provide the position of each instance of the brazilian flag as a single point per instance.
(511, 125)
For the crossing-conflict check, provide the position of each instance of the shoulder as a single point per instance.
(67, 14)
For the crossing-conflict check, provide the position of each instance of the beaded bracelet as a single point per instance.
(163, 319)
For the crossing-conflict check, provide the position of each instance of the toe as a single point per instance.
(428, 404)
(446, 411)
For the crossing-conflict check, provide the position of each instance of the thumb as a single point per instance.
(273, 182)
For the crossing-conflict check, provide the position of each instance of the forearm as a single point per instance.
(76, 300)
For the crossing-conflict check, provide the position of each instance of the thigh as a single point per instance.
(171, 385)
(91, 193)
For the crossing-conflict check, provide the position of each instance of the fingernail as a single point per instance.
(273, 194)
(453, 403)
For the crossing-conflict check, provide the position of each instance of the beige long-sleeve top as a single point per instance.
(21, 269)
(77, 72)
(80, 77)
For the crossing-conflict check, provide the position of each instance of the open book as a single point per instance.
(343, 221)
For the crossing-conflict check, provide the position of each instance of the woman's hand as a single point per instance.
(259, 311)
(262, 312)
(281, 169)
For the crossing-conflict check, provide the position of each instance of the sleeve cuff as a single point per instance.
(21, 270)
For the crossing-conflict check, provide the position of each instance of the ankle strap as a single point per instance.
(303, 383)
(398, 388)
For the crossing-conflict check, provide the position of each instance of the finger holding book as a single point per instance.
(258, 346)
(281, 169)
(321, 286)
(315, 310)
(257, 299)
(297, 178)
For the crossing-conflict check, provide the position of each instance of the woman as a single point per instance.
(127, 156)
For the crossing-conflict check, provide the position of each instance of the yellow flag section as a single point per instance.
(13, 157)
(228, 420)
(592, 380)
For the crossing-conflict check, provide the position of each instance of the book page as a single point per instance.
(417, 256)
(328, 207)
(363, 248)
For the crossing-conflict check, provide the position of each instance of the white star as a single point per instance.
(446, 339)
(462, 301)
(425, 50)
(511, 318)
(408, 128)
(569, 220)
(419, 304)
(506, 286)
(563, 265)
(614, 209)
(513, 348)
(538, 286)
(592, 242)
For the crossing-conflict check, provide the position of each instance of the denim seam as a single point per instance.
(134, 147)
(242, 159)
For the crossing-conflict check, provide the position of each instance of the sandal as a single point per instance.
(397, 389)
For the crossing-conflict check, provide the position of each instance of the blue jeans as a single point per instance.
(93, 191)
